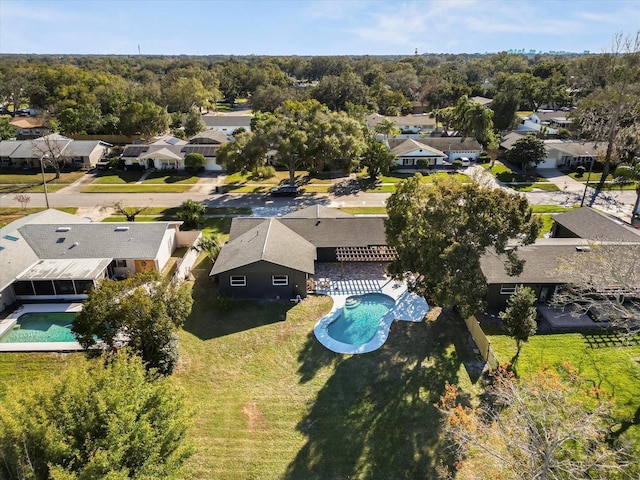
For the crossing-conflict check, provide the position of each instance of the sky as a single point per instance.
(320, 27)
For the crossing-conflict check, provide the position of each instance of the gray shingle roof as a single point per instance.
(84, 148)
(588, 223)
(227, 120)
(210, 136)
(268, 241)
(16, 256)
(325, 232)
(541, 264)
(411, 145)
(97, 240)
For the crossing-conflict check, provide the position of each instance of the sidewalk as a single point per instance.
(564, 182)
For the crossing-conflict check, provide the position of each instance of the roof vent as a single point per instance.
(63, 229)
(583, 248)
(74, 244)
(122, 229)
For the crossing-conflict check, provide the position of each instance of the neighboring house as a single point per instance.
(571, 153)
(227, 123)
(78, 154)
(551, 118)
(52, 255)
(31, 127)
(418, 108)
(485, 102)
(274, 257)
(168, 152)
(412, 124)
(573, 232)
(560, 153)
(432, 152)
(588, 223)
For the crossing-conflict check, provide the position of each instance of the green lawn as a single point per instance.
(550, 208)
(528, 187)
(547, 223)
(37, 188)
(600, 360)
(117, 178)
(144, 188)
(506, 175)
(169, 179)
(271, 402)
(278, 178)
(365, 210)
(31, 177)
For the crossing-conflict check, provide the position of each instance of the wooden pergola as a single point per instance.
(371, 253)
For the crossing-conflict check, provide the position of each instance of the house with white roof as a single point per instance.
(432, 152)
(53, 255)
(167, 152)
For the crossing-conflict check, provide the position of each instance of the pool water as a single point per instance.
(41, 327)
(360, 318)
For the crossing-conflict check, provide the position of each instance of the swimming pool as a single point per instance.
(363, 312)
(360, 318)
(41, 327)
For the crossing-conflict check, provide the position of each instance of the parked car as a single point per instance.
(285, 191)
(465, 161)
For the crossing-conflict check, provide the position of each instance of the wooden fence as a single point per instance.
(483, 343)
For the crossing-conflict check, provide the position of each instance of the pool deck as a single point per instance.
(12, 318)
(409, 307)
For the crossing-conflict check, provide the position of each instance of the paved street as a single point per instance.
(618, 203)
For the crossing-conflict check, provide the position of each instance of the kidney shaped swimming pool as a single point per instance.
(360, 318)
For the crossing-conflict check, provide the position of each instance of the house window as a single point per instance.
(408, 161)
(238, 281)
(121, 263)
(508, 288)
(280, 280)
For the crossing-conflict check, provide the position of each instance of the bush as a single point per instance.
(457, 164)
(580, 171)
(266, 171)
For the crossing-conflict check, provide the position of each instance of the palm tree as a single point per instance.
(627, 174)
(211, 245)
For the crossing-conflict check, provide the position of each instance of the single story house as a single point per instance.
(52, 255)
(406, 123)
(227, 124)
(594, 225)
(167, 152)
(432, 152)
(275, 257)
(573, 232)
(551, 118)
(78, 154)
(560, 153)
(484, 101)
(31, 127)
(571, 153)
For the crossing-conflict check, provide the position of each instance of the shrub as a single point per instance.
(580, 171)
(266, 171)
(457, 164)
(195, 162)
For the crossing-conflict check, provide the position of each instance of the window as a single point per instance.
(64, 287)
(43, 287)
(238, 281)
(508, 288)
(280, 280)
(23, 288)
(121, 263)
(408, 161)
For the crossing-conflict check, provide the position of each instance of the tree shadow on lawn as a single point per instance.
(374, 417)
(212, 317)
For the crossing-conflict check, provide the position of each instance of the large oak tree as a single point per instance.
(441, 230)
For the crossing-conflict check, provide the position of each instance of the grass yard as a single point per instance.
(31, 177)
(170, 179)
(144, 188)
(599, 358)
(248, 177)
(529, 187)
(271, 402)
(506, 175)
(365, 210)
(9, 214)
(551, 208)
(117, 178)
(23, 188)
(547, 223)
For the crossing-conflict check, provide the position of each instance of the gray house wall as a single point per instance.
(497, 300)
(259, 282)
(562, 232)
